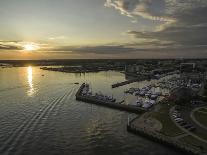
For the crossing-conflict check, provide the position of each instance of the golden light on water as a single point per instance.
(30, 81)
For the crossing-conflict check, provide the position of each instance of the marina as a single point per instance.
(83, 94)
(145, 98)
(103, 77)
(74, 98)
(46, 118)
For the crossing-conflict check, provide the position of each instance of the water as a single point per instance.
(40, 116)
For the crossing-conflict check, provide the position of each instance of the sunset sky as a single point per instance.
(71, 29)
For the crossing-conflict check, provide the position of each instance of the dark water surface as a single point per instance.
(40, 116)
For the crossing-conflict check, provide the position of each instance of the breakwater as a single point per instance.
(165, 140)
(114, 105)
(124, 83)
(137, 79)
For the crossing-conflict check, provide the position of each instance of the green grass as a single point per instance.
(169, 128)
(201, 117)
(203, 109)
(201, 135)
(190, 140)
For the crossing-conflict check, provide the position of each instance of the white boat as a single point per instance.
(147, 104)
(158, 93)
(147, 95)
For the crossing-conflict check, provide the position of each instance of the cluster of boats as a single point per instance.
(97, 96)
(147, 96)
(145, 92)
(144, 103)
(86, 90)
(104, 97)
(174, 83)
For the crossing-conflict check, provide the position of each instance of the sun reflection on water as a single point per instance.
(30, 81)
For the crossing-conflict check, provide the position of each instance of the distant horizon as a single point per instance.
(103, 59)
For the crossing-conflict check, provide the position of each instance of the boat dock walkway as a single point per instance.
(127, 82)
(114, 105)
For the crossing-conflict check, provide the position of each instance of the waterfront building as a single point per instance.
(187, 67)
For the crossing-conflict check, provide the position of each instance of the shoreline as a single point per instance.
(162, 139)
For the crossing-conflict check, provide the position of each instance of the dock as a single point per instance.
(114, 105)
(124, 83)
(128, 82)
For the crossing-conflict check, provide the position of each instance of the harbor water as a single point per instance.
(40, 116)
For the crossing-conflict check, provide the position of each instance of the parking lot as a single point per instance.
(183, 117)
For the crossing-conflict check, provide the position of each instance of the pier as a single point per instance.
(127, 82)
(124, 83)
(114, 105)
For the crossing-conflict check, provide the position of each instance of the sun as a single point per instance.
(30, 47)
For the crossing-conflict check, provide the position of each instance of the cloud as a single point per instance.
(187, 32)
(20, 45)
(99, 49)
(10, 45)
(147, 47)
(57, 38)
(160, 10)
(183, 34)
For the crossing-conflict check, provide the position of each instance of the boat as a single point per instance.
(139, 102)
(166, 94)
(131, 91)
(153, 96)
(149, 92)
(158, 93)
(147, 104)
(147, 95)
(76, 83)
(142, 93)
(136, 93)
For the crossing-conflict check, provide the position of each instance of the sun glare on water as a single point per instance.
(30, 81)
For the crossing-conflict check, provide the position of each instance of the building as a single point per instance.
(134, 68)
(187, 67)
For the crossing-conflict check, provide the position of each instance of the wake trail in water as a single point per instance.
(69, 96)
(53, 108)
(30, 124)
(48, 87)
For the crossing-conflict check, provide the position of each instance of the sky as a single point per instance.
(103, 29)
